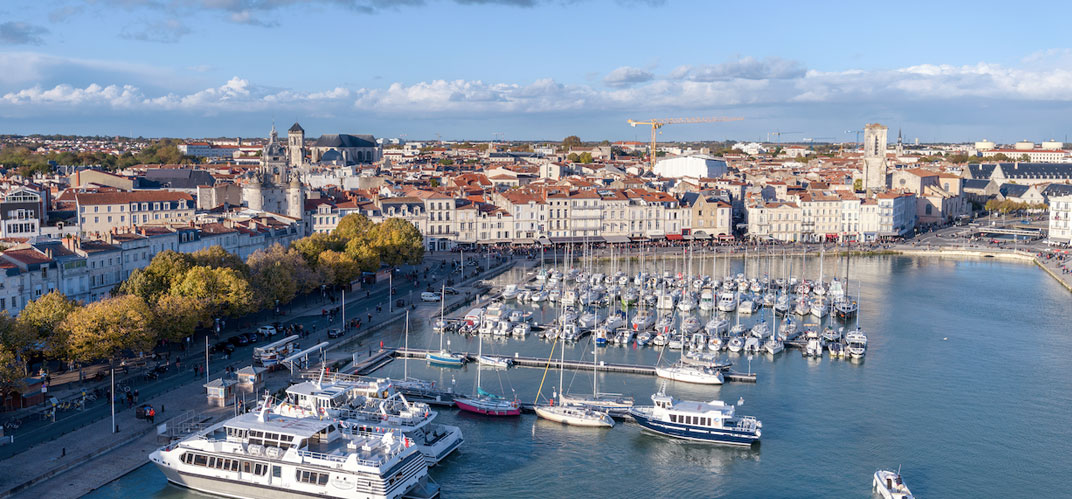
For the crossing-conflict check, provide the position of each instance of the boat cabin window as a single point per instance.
(307, 476)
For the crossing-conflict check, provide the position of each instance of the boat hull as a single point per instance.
(445, 360)
(479, 409)
(695, 433)
(550, 414)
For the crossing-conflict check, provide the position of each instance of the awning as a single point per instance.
(701, 235)
(616, 239)
(638, 238)
(674, 237)
(543, 240)
(577, 239)
(725, 236)
(523, 241)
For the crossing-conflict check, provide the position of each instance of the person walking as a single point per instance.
(152, 415)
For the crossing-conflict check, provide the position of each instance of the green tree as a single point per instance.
(858, 185)
(434, 182)
(1000, 157)
(446, 162)
(224, 290)
(570, 142)
(585, 158)
(217, 257)
(1025, 157)
(176, 317)
(40, 322)
(155, 279)
(573, 157)
(107, 328)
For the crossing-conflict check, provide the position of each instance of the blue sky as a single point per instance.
(534, 69)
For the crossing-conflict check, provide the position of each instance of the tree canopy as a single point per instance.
(105, 329)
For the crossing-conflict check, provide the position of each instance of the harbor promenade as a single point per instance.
(84, 454)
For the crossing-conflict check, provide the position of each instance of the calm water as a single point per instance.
(965, 386)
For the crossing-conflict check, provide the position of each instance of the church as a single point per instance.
(274, 187)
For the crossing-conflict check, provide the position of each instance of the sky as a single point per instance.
(536, 69)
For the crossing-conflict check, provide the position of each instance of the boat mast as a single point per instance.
(405, 359)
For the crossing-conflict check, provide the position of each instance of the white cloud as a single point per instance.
(626, 76)
(689, 92)
(747, 68)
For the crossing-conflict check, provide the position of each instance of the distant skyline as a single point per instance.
(534, 69)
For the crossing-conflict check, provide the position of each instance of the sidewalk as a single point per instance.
(43, 470)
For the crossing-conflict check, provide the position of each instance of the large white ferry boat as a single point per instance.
(373, 406)
(273, 456)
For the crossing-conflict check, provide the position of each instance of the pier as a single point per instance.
(536, 362)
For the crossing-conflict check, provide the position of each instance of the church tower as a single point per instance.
(295, 145)
(295, 198)
(874, 157)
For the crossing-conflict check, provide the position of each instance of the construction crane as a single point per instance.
(779, 135)
(656, 124)
(820, 139)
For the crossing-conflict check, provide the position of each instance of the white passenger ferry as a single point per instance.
(374, 406)
(268, 455)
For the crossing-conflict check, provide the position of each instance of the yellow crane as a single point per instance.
(656, 124)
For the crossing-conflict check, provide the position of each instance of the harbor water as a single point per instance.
(964, 386)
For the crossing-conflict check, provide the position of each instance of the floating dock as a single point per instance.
(579, 365)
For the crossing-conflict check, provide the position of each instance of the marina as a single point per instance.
(813, 387)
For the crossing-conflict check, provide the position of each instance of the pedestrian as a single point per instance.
(135, 396)
(152, 415)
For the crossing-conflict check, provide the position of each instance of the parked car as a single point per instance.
(430, 296)
(223, 347)
(238, 340)
(267, 331)
(400, 302)
(450, 291)
(252, 337)
(334, 333)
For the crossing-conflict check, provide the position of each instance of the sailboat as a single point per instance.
(567, 413)
(605, 402)
(486, 403)
(444, 355)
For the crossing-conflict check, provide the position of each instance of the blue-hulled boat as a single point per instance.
(701, 421)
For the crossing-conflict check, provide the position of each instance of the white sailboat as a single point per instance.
(566, 413)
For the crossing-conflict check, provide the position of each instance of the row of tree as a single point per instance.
(1009, 206)
(27, 161)
(178, 293)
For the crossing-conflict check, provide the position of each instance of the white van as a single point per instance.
(429, 296)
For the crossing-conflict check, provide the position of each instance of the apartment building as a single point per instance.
(103, 212)
(1061, 220)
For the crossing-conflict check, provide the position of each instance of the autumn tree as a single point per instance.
(364, 254)
(354, 226)
(40, 322)
(337, 268)
(15, 344)
(312, 246)
(224, 290)
(107, 328)
(217, 257)
(571, 142)
(155, 280)
(278, 274)
(176, 317)
(398, 242)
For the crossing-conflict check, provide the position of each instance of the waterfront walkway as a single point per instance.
(48, 460)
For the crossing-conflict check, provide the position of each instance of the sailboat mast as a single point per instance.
(405, 359)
